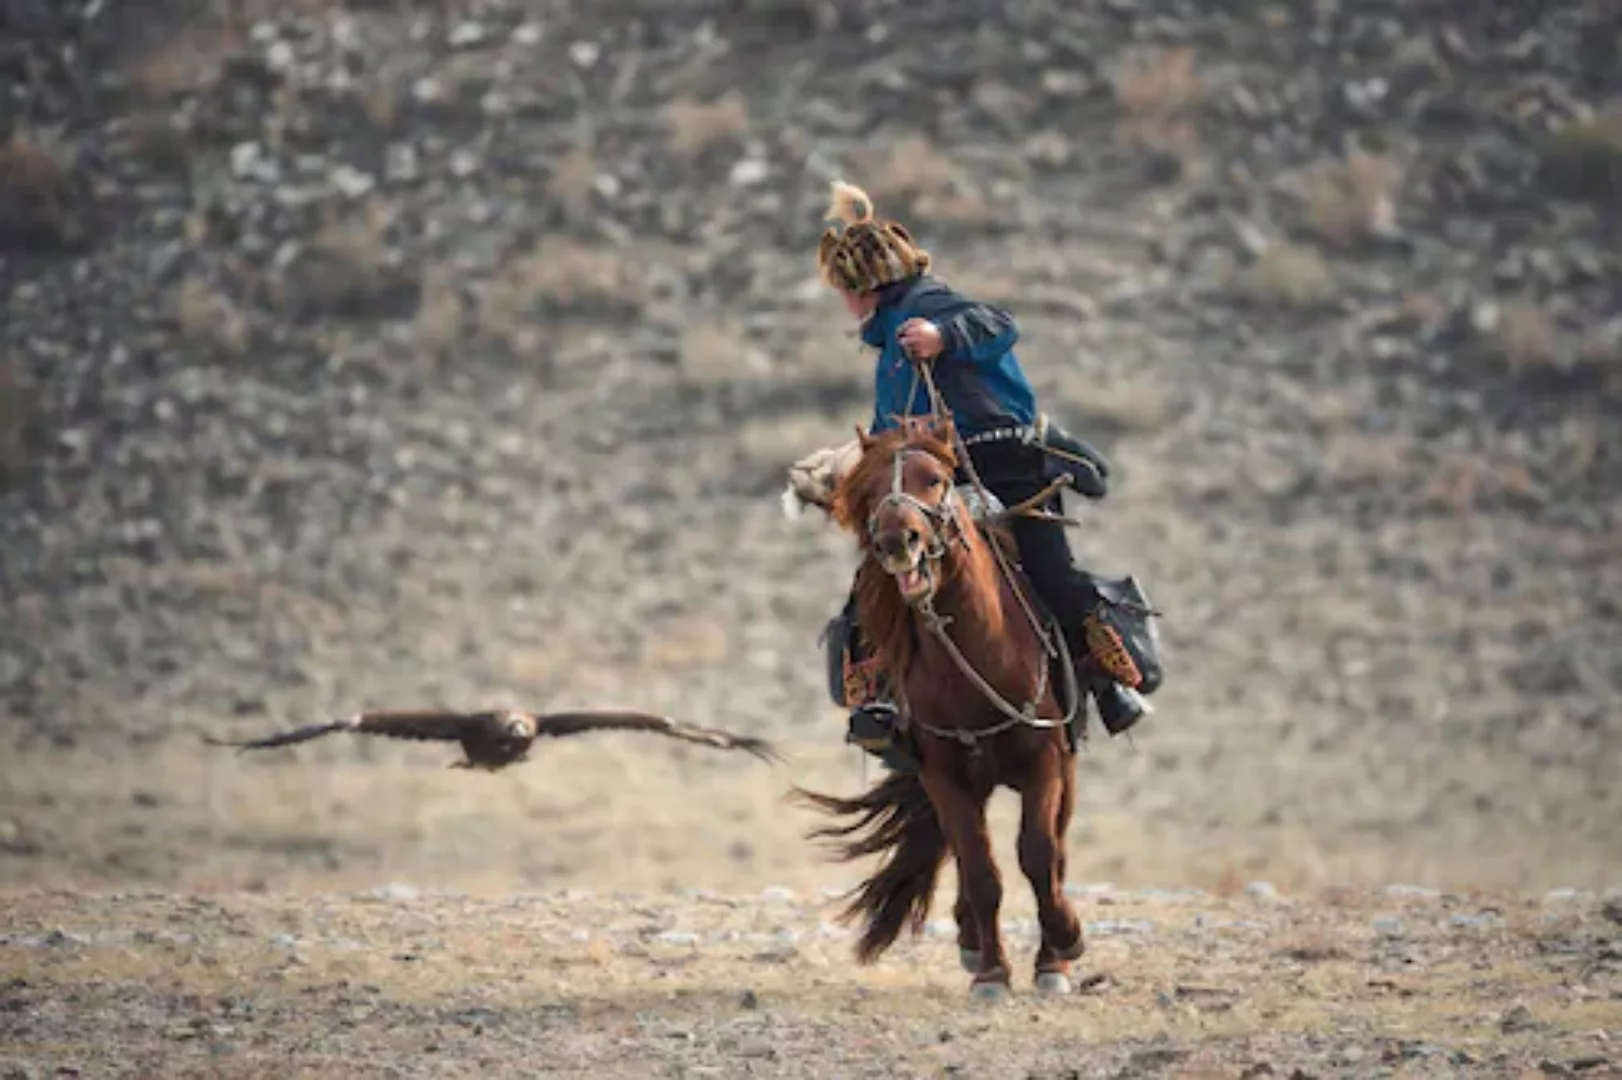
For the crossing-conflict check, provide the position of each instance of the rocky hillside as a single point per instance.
(392, 353)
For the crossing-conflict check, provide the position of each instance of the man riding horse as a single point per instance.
(935, 345)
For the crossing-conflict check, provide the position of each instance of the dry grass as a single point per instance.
(910, 173)
(1584, 158)
(1464, 480)
(561, 277)
(773, 442)
(1350, 200)
(190, 60)
(210, 320)
(38, 200)
(1159, 94)
(1424, 311)
(572, 183)
(1138, 406)
(1287, 275)
(15, 412)
(694, 127)
(1526, 337)
(349, 267)
(439, 319)
(686, 642)
(715, 351)
(1361, 457)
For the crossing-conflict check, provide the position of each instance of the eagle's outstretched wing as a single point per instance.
(423, 724)
(573, 723)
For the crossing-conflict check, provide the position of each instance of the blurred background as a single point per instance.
(382, 354)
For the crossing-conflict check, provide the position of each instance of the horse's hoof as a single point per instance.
(1053, 983)
(991, 993)
(970, 959)
(1075, 951)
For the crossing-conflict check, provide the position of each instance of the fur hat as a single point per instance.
(863, 253)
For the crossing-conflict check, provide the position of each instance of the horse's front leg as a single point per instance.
(963, 819)
(1047, 803)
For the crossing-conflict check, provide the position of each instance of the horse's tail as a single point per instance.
(895, 815)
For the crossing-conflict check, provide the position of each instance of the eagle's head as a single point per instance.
(516, 725)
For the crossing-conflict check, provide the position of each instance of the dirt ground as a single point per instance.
(595, 983)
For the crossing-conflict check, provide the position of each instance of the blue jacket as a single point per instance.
(977, 372)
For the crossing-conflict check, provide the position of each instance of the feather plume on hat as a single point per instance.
(848, 204)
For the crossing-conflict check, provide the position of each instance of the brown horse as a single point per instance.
(987, 688)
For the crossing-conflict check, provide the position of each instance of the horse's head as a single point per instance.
(900, 500)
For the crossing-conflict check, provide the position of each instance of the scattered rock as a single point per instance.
(1388, 926)
(1518, 1019)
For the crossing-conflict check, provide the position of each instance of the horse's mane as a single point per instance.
(886, 618)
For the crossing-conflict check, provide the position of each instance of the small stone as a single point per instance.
(1048, 149)
(677, 937)
(777, 893)
(1484, 317)
(244, 159)
(280, 56)
(1412, 892)
(400, 163)
(465, 34)
(395, 891)
(528, 33)
(1388, 925)
(1063, 82)
(585, 54)
(748, 172)
(351, 182)
(1261, 890)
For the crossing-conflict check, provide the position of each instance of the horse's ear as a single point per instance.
(863, 439)
(946, 430)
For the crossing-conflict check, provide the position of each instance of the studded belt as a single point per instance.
(1024, 433)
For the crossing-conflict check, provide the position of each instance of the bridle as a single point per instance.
(945, 529)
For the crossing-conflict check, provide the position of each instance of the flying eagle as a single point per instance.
(493, 739)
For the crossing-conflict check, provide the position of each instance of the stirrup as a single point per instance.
(871, 725)
(1120, 708)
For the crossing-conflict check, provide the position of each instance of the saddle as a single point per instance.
(1121, 634)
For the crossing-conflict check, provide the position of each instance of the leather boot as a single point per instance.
(1119, 707)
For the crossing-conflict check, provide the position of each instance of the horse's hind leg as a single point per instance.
(968, 934)
(1044, 817)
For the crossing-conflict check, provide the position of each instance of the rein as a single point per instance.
(941, 517)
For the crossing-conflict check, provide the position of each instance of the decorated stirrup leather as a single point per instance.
(1109, 650)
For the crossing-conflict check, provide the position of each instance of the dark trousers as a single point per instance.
(1014, 473)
